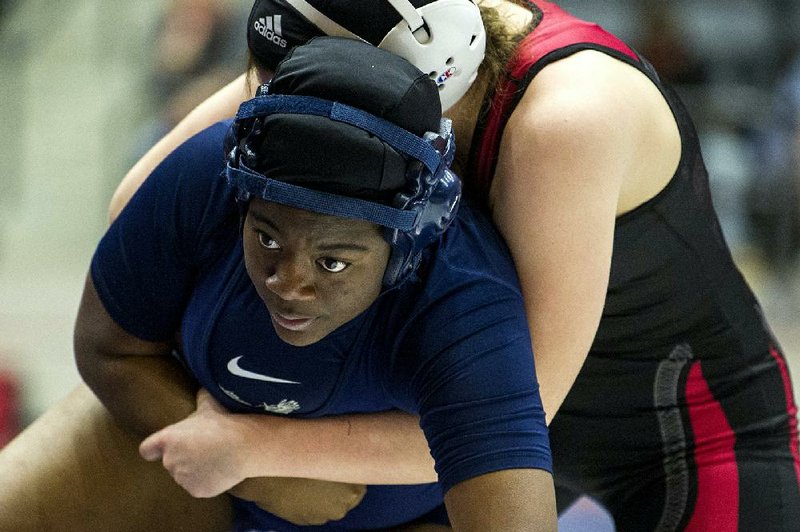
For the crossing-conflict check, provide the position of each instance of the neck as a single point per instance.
(506, 23)
(464, 115)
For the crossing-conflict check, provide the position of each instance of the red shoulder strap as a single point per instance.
(557, 31)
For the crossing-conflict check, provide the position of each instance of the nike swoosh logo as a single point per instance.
(235, 369)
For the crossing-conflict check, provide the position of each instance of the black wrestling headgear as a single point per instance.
(336, 157)
(349, 130)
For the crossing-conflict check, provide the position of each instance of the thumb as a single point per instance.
(152, 448)
(206, 401)
(203, 399)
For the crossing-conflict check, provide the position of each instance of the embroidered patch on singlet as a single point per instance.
(284, 406)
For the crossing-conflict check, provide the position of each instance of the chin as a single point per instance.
(298, 339)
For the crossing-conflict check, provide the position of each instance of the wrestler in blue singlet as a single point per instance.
(448, 341)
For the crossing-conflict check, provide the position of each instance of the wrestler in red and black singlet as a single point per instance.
(683, 366)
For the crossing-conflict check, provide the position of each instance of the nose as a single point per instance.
(291, 281)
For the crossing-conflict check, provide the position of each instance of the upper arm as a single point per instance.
(473, 380)
(137, 380)
(503, 501)
(143, 273)
(223, 104)
(563, 158)
(568, 150)
(97, 335)
(179, 222)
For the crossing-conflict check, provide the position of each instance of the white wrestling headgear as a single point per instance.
(444, 38)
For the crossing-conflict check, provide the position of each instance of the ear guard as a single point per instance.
(445, 39)
(419, 213)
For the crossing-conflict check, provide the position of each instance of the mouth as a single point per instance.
(292, 322)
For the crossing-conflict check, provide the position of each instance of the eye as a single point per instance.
(332, 265)
(266, 241)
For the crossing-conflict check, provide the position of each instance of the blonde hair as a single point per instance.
(251, 77)
(501, 44)
(502, 40)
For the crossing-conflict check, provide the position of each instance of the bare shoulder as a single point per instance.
(594, 105)
(589, 88)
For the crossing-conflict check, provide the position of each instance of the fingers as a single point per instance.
(302, 501)
(358, 492)
(203, 396)
(206, 401)
(201, 475)
(152, 448)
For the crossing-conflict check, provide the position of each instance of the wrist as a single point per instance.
(258, 444)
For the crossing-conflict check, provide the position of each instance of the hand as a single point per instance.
(301, 501)
(204, 453)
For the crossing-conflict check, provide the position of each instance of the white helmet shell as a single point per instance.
(450, 52)
(444, 38)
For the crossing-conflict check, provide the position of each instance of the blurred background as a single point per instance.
(88, 86)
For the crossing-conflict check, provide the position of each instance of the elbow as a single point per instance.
(87, 357)
(92, 337)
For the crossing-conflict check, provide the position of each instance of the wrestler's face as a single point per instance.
(314, 272)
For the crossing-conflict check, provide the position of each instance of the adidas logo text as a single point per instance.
(270, 29)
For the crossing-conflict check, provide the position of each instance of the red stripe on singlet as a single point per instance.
(556, 30)
(791, 410)
(717, 504)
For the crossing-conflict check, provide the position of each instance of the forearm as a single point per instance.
(503, 501)
(73, 468)
(382, 448)
(143, 393)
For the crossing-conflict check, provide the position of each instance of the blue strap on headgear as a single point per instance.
(308, 199)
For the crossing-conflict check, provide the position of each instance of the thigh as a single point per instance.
(692, 444)
(768, 498)
(759, 407)
(74, 469)
(741, 496)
